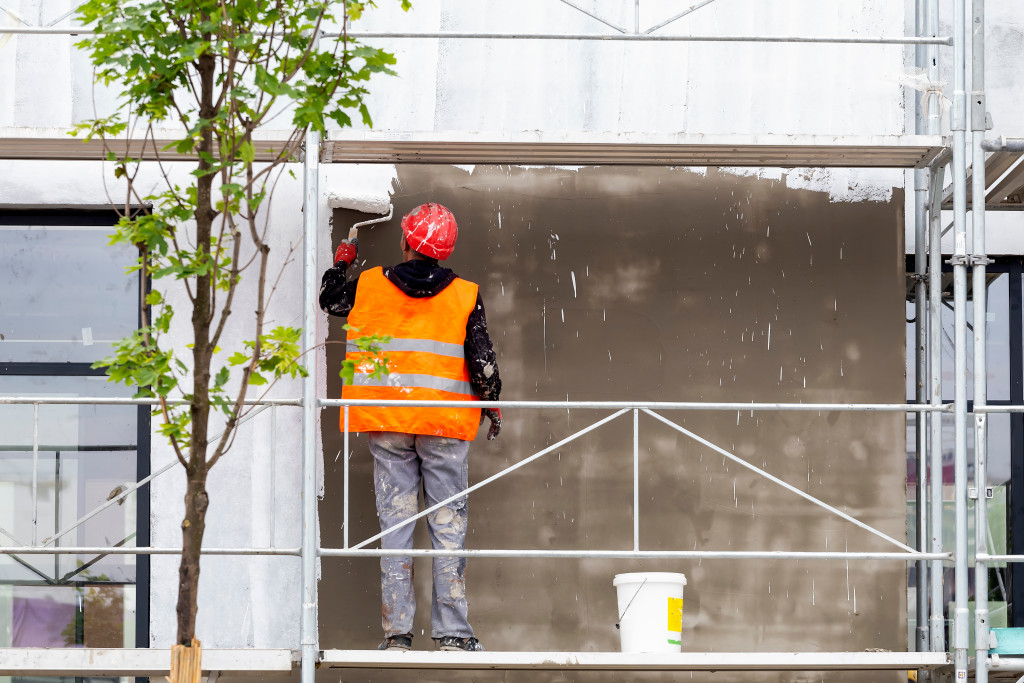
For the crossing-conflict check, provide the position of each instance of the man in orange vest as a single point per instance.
(439, 350)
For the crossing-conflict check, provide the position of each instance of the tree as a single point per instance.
(218, 70)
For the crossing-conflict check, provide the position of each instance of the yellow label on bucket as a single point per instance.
(675, 614)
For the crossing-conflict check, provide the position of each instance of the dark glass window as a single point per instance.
(65, 296)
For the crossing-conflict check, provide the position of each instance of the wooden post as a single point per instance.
(186, 663)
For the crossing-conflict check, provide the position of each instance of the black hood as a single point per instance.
(420, 278)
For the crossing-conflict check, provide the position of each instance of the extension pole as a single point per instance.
(310, 220)
(936, 623)
(981, 613)
(920, 356)
(961, 615)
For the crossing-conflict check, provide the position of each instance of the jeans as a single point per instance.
(400, 463)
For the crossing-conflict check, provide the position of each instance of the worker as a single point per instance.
(439, 350)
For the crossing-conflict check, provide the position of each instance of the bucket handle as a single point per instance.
(621, 616)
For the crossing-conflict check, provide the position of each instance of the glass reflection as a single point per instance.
(74, 306)
(77, 458)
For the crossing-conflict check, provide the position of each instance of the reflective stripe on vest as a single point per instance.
(425, 358)
(421, 345)
(403, 380)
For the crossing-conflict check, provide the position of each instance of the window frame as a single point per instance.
(99, 217)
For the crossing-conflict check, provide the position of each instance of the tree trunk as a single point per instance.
(196, 499)
(192, 528)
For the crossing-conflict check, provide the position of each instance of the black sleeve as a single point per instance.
(337, 295)
(483, 363)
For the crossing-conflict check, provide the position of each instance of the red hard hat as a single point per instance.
(430, 229)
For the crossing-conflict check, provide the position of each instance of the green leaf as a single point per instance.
(247, 152)
(237, 358)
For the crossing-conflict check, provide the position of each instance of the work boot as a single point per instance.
(456, 643)
(402, 641)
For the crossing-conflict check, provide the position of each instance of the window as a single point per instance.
(65, 296)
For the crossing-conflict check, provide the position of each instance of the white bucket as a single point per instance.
(650, 611)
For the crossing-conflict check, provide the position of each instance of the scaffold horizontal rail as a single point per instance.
(624, 661)
(653, 405)
(91, 662)
(684, 149)
(640, 554)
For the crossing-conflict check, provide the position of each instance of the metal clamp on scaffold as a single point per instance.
(972, 492)
(969, 260)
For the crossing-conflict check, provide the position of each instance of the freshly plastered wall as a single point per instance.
(661, 284)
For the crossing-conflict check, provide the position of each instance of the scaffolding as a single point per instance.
(925, 152)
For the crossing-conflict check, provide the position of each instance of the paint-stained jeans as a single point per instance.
(400, 463)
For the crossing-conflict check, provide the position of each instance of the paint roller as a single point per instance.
(364, 204)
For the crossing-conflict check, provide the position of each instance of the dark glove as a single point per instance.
(494, 415)
(346, 252)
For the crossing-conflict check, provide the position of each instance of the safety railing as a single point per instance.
(619, 410)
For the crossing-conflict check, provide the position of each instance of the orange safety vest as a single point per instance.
(426, 358)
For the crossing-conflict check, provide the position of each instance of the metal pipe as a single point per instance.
(630, 554)
(1000, 663)
(6, 533)
(789, 487)
(1003, 144)
(377, 552)
(959, 260)
(373, 221)
(35, 474)
(143, 550)
(653, 405)
(308, 637)
(636, 16)
(593, 405)
(344, 527)
(593, 16)
(978, 286)
(937, 622)
(636, 479)
(273, 472)
(920, 353)
(988, 410)
(689, 10)
(644, 37)
(488, 480)
(934, 102)
(113, 401)
(1000, 558)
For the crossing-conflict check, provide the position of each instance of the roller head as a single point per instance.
(366, 203)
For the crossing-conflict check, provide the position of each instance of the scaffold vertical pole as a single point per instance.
(636, 479)
(310, 219)
(937, 622)
(920, 355)
(35, 473)
(981, 612)
(961, 613)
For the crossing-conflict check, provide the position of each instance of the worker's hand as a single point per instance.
(346, 251)
(494, 415)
